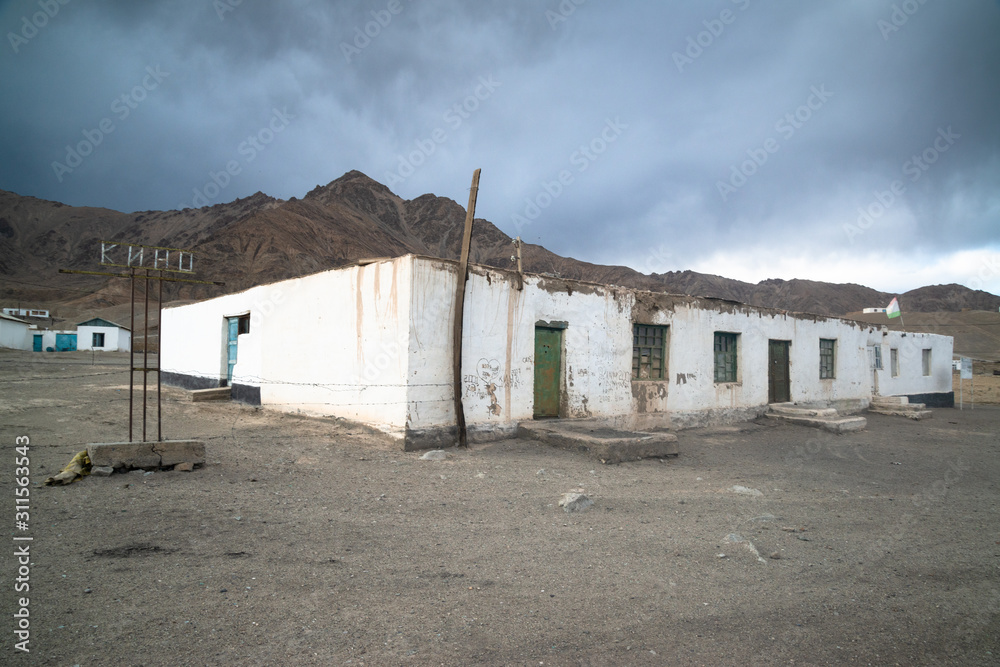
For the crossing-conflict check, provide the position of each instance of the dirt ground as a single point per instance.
(312, 542)
(984, 386)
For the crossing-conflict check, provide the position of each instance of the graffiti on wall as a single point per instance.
(490, 376)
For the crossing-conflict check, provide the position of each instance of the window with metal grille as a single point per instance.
(725, 356)
(827, 358)
(878, 357)
(649, 352)
(97, 340)
(927, 362)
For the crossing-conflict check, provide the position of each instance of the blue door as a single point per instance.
(234, 332)
(65, 342)
(36, 344)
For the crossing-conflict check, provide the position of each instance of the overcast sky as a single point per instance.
(849, 141)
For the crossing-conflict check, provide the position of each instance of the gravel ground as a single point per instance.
(314, 542)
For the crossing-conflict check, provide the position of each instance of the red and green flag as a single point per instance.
(892, 310)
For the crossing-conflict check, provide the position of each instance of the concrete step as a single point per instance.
(890, 400)
(911, 411)
(603, 443)
(899, 406)
(213, 394)
(833, 424)
(793, 410)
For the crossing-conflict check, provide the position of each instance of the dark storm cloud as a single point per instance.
(610, 133)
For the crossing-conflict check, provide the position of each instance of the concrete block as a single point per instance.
(213, 394)
(173, 452)
(605, 444)
(161, 454)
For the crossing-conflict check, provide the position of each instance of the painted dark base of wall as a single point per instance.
(447, 436)
(944, 399)
(245, 393)
(430, 438)
(189, 381)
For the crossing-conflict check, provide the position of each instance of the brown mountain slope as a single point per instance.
(260, 239)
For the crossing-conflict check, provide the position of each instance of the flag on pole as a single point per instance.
(892, 310)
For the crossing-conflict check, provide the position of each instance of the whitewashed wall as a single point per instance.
(49, 337)
(115, 338)
(498, 354)
(911, 380)
(332, 343)
(336, 342)
(14, 335)
(374, 344)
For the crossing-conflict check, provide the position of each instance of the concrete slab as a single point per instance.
(899, 406)
(162, 454)
(831, 424)
(603, 443)
(794, 410)
(909, 411)
(213, 394)
(890, 400)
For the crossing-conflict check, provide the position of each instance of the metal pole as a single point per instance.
(145, 349)
(159, 350)
(131, 352)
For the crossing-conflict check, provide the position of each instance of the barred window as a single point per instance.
(725, 356)
(827, 358)
(649, 352)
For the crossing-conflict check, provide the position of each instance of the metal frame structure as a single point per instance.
(136, 262)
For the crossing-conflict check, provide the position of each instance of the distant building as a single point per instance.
(14, 333)
(101, 335)
(54, 340)
(25, 312)
(873, 310)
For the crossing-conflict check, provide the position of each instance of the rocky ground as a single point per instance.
(313, 542)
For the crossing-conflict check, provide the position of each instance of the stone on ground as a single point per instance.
(575, 502)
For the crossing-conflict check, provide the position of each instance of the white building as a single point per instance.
(373, 344)
(101, 335)
(54, 340)
(14, 333)
(26, 312)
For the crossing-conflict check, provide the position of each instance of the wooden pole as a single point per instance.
(463, 275)
(520, 269)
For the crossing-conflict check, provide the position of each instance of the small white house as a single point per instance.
(373, 344)
(103, 336)
(14, 333)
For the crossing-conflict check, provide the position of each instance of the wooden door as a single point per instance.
(548, 351)
(778, 378)
(234, 332)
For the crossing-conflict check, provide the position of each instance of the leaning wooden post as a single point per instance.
(463, 275)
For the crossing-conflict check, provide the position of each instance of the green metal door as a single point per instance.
(65, 342)
(778, 377)
(548, 348)
(36, 343)
(233, 335)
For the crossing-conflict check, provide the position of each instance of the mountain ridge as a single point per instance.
(260, 239)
